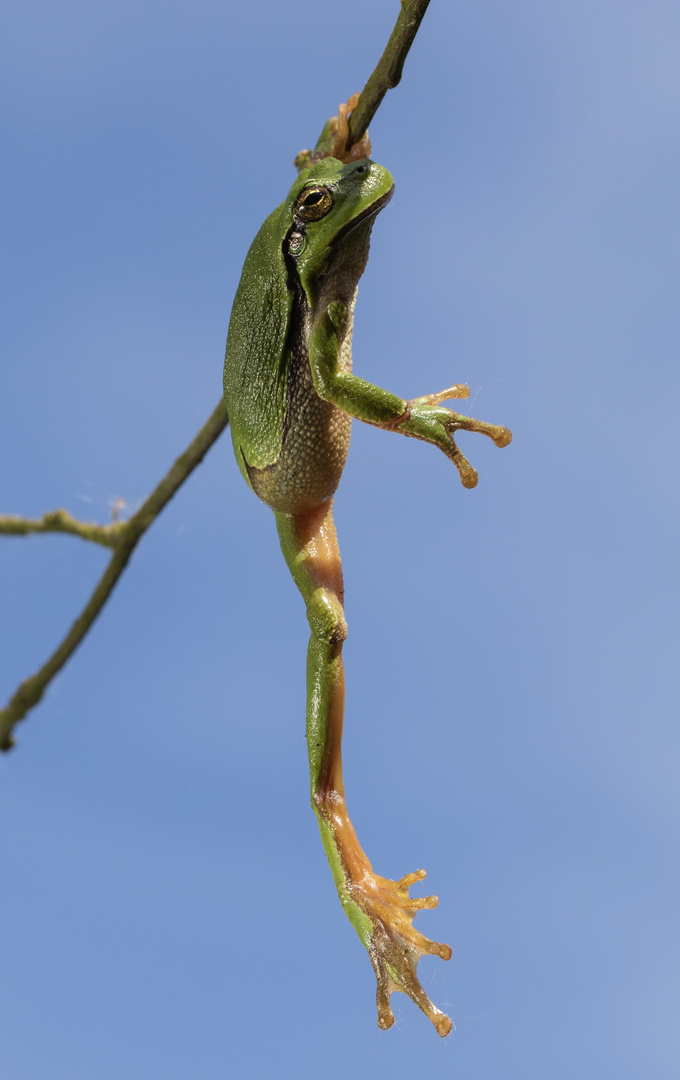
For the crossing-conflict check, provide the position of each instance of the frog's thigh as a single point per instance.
(310, 547)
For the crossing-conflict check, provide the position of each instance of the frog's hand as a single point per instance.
(422, 418)
(333, 140)
(379, 909)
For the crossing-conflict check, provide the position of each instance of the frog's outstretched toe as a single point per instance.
(460, 390)
(469, 476)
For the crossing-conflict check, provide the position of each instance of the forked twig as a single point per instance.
(61, 521)
(123, 537)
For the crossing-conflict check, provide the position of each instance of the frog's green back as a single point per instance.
(255, 367)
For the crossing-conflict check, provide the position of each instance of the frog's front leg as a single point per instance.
(379, 909)
(421, 418)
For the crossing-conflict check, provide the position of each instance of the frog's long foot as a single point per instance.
(395, 946)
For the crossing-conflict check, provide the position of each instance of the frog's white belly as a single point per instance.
(315, 440)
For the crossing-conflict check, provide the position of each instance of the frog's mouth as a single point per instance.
(370, 212)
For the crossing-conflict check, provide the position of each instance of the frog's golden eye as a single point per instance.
(313, 203)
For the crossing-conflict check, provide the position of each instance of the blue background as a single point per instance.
(512, 661)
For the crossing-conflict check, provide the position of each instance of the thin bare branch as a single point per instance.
(183, 467)
(123, 537)
(345, 136)
(61, 521)
(387, 73)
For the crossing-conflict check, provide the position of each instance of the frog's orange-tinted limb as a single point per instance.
(380, 910)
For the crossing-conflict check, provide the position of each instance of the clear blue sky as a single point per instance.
(512, 714)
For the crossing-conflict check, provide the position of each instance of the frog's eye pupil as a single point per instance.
(313, 197)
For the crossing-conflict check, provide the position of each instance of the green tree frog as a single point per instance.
(291, 397)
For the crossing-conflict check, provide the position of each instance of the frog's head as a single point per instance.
(327, 203)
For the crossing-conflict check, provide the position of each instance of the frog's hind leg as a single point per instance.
(380, 910)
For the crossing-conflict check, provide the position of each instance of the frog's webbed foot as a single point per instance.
(427, 419)
(395, 946)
